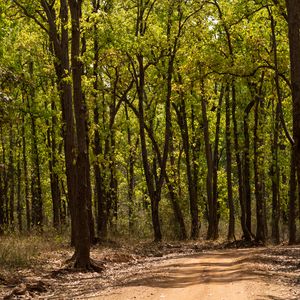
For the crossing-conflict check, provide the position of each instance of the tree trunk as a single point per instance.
(2, 197)
(246, 171)
(82, 241)
(11, 178)
(173, 194)
(182, 121)
(36, 188)
(130, 175)
(26, 180)
(274, 166)
(246, 233)
(293, 13)
(54, 178)
(292, 200)
(5, 183)
(216, 150)
(19, 197)
(97, 147)
(212, 232)
(258, 171)
(231, 227)
(275, 180)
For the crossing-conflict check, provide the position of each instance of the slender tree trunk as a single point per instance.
(19, 197)
(216, 149)
(258, 172)
(130, 175)
(182, 121)
(2, 166)
(275, 180)
(97, 147)
(246, 171)
(231, 227)
(11, 178)
(54, 178)
(195, 154)
(149, 180)
(26, 180)
(36, 187)
(173, 194)
(5, 183)
(212, 232)
(292, 200)
(60, 47)
(246, 233)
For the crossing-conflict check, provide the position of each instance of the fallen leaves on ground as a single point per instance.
(124, 262)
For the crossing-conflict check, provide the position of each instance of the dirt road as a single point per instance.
(221, 275)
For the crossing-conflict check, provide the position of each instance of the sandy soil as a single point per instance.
(213, 275)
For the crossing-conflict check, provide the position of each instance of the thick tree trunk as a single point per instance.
(82, 241)
(274, 167)
(293, 12)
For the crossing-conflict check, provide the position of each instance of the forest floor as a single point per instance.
(191, 270)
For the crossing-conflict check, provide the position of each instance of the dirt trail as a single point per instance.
(218, 275)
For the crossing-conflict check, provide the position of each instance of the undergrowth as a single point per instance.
(20, 251)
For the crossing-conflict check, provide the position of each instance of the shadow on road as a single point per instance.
(208, 268)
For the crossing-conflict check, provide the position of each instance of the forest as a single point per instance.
(150, 119)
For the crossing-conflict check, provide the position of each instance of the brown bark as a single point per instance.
(246, 173)
(246, 233)
(82, 241)
(274, 167)
(54, 178)
(231, 225)
(19, 197)
(182, 121)
(292, 200)
(293, 18)
(212, 232)
(130, 175)
(216, 150)
(2, 197)
(258, 162)
(26, 180)
(36, 188)
(11, 178)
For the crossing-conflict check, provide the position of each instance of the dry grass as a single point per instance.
(20, 251)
